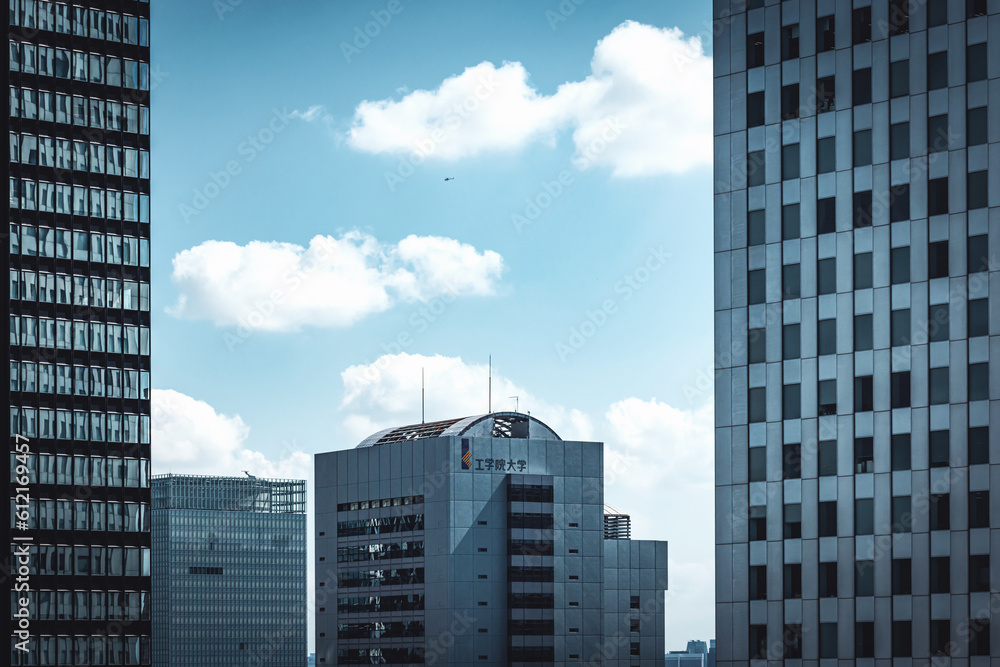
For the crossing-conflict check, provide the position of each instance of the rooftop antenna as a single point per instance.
(421, 394)
(489, 408)
(516, 403)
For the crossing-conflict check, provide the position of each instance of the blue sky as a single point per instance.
(309, 257)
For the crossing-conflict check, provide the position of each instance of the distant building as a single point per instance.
(697, 654)
(229, 571)
(482, 540)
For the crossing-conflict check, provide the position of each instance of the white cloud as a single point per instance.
(273, 286)
(645, 109)
(190, 437)
(387, 393)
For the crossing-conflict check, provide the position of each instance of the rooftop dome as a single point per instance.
(493, 425)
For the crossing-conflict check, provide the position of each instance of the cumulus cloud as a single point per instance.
(190, 437)
(386, 393)
(334, 282)
(645, 109)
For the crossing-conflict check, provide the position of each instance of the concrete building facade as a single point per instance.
(479, 541)
(857, 228)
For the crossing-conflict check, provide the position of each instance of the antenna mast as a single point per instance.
(421, 394)
(489, 408)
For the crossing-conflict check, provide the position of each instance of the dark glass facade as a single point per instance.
(229, 572)
(856, 236)
(78, 255)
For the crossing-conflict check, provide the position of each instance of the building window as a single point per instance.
(979, 509)
(862, 86)
(939, 388)
(758, 523)
(937, 196)
(792, 642)
(864, 517)
(979, 573)
(863, 393)
(977, 189)
(757, 346)
(940, 512)
(826, 215)
(793, 521)
(827, 523)
(827, 394)
(899, 78)
(825, 33)
(757, 458)
(864, 460)
(976, 127)
(937, 133)
(791, 397)
(826, 155)
(758, 642)
(756, 286)
(789, 162)
(790, 283)
(826, 93)
(901, 576)
(899, 327)
(863, 270)
(756, 228)
(980, 640)
(862, 332)
(899, 202)
(979, 381)
(757, 404)
(976, 61)
(790, 42)
(827, 640)
(862, 148)
(790, 101)
(940, 574)
(826, 332)
(633, 602)
(755, 109)
(974, 8)
(937, 13)
(862, 209)
(861, 25)
(899, 141)
(937, 70)
(827, 458)
(939, 321)
(900, 445)
(793, 581)
(899, 265)
(899, 17)
(978, 253)
(791, 461)
(790, 222)
(791, 338)
(940, 643)
(828, 580)
(979, 317)
(756, 168)
(826, 276)
(755, 50)
(864, 639)
(902, 515)
(979, 445)
(900, 389)
(939, 453)
(902, 639)
(633, 625)
(864, 578)
(633, 648)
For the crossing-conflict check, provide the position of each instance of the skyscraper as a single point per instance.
(229, 571)
(78, 167)
(855, 249)
(481, 540)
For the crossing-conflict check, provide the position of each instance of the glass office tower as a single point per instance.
(229, 571)
(856, 240)
(78, 244)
